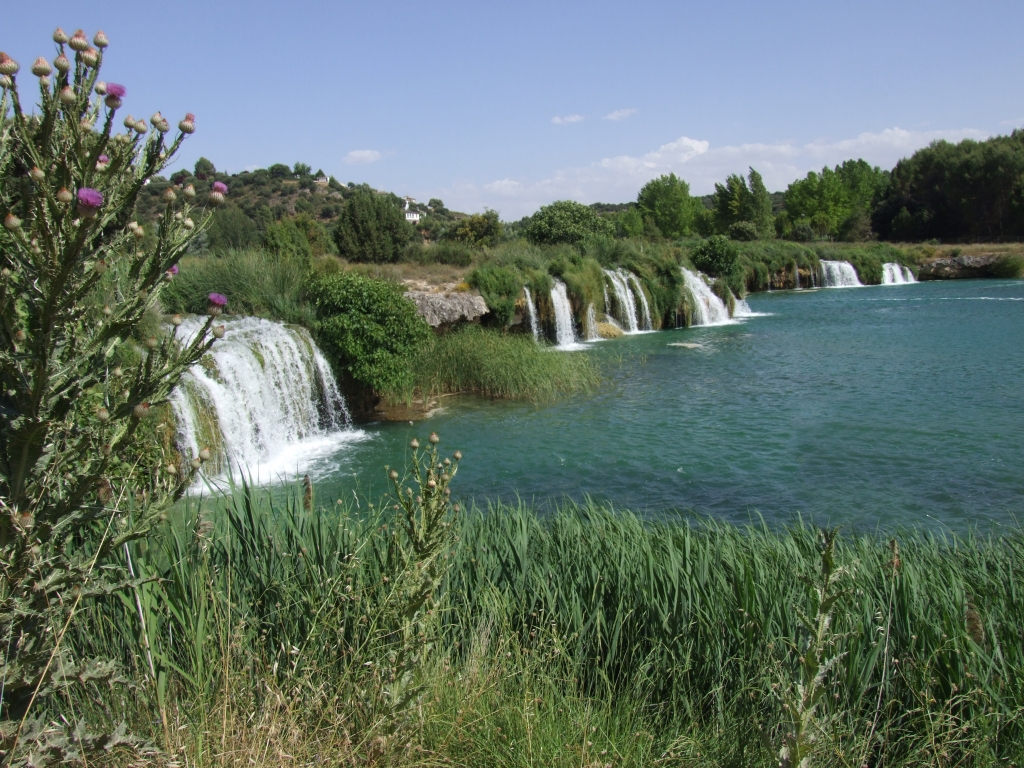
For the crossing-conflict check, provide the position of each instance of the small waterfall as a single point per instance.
(896, 274)
(531, 307)
(591, 329)
(263, 399)
(839, 274)
(648, 325)
(624, 301)
(565, 332)
(708, 309)
(796, 275)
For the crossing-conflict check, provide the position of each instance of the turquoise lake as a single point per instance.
(873, 407)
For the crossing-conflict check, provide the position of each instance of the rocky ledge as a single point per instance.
(959, 267)
(448, 308)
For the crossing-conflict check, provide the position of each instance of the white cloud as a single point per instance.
(362, 156)
(567, 119)
(620, 114)
(616, 179)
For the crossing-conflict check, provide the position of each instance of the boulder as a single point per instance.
(609, 331)
(959, 267)
(448, 308)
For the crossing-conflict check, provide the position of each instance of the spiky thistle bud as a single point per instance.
(37, 174)
(169, 195)
(152, 342)
(8, 66)
(20, 336)
(100, 40)
(41, 67)
(91, 57)
(172, 469)
(139, 233)
(216, 198)
(12, 222)
(60, 36)
(140, 126)
(205, 454)
(393, 474)
(5, 81)
(218, 331)
(189, 192)
(434, 439)
(103, 414)
(118, 373)
(188, 125)
(100, 88)
(414, 443)
(107, 311)
(176, 320)
(105, 449)
(100, 267)
(63, 64)
(141, 411)
(188, 224)
(67, 95)
(65, 196)
(196, 464)
(79, 42)
(129, 122)
(458, 455)
(26, 521)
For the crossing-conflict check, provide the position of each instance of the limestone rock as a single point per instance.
(958, 267)
(609, 331)
(447, 308)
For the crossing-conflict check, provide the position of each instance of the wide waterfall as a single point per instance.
(708, 309)
(263, 400)
(839, 274)
(626, 302)
(565, 331)
(896, 274)
(532, 308)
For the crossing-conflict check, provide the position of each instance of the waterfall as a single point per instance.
(708, 309)
(565, 332)
(264, 400)
(648, 325)
(896, 274)
(796, 274)
(533, 314)
(626, 302)
(839, 274)
(591, 329)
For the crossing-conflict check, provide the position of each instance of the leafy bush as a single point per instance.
(715, 255)
(230, 229)
(1009, 266)
(368, 328)
(372, 228)
(565, 221)
(287, 240)
(500, 287)
(478, 229)
(743, 231)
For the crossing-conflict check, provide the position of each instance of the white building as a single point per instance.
(413, 217)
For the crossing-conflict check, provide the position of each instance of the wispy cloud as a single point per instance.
(619, 178)
(567, 119)
(362, 156)
(620, 114)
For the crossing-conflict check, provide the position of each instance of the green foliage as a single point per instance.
(204, 169)
(837, 201)
(367, 327)
(743, 230)
(509, 366)
(666, 200)
(735, 201)
(288, 241)
(79, 475)
(715, 255)
(479, 229)
(1009, 266)
(256, 282)
(565, 222)
(316, 234)
(973, 189)
(501, 287)
(372, 228)
(231, 229)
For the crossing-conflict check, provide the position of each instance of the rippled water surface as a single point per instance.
(880, 406)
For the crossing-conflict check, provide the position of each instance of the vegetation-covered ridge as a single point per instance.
(586, 635)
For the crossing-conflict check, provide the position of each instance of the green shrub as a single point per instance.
(744, 231)
(368, 328)
(1009, 266)
(715, 255)
(372, 228)
(500, 287)
(286, 240)
(565, 222)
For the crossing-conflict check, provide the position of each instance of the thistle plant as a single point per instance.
(77, 387)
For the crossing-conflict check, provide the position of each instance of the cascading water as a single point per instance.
(648, 325)
(839, 274)
(708, 309)
(565, 331)
(896, 274)
(625, 301)
(263, 399)
(591, 329)
(533, 314)
(796, 275)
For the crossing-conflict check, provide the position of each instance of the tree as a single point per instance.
(716, 256)
(372, 228)
(736, 202)
(280, 171)
(301, 170)
(565, 221)
(666, 200)
(837, 200)
(231, 228)
(81, 474)
(478, 229)
(204, 169)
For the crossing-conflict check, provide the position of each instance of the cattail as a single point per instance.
(79, 42)
(63, 64)
(307, 493)
(41, 67)
(975, 627)
(100, 40)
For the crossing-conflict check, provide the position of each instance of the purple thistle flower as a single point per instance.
(219, 299)
(103, 159)
(90, 199)
(173, 270)
(220, 186)
(115, 89)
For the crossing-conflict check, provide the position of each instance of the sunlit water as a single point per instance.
(870, 407)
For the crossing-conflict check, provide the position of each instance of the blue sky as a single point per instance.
(514, 105)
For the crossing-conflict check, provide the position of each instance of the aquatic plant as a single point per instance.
(73, 488)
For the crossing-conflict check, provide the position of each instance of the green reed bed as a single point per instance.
(502, 365)
(585, 636)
